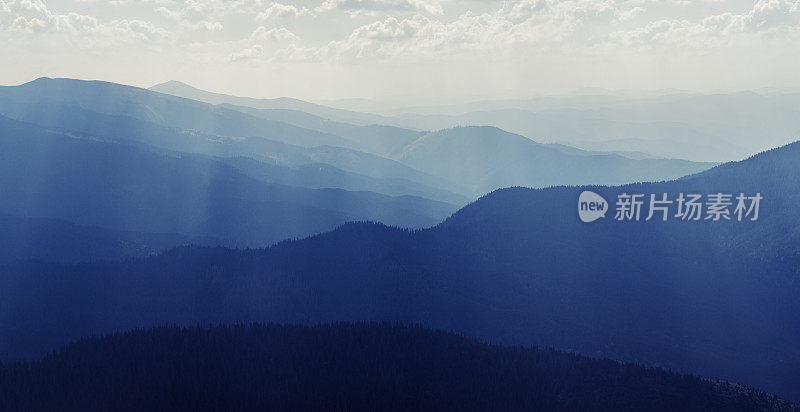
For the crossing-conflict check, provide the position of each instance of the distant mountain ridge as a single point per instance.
(177, 88)
(381, 140)
(486, 158)
(693, 126)
(481, 158)
(167, 110)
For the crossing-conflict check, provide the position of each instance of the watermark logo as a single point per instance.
(591, 206)
(684, 206)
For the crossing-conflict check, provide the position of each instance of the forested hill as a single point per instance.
(346, 367)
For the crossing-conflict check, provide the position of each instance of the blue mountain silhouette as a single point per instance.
(517, 266)
(68, 176)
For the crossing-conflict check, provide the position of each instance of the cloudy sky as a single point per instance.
(412, 48)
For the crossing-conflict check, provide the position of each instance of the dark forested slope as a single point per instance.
(346, 367)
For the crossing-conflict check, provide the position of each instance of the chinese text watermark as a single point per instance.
(685, 206)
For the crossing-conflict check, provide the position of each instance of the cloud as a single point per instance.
(254, 47)
(136, 29)
(247, 54)
(531, 26)
(629, 14)
(210, 25)
(357, 7)
(657, 32)
(542, 23)
(766, 17)
(206, 14)
(353, 7)
(281, 10)
(34, 17)
(274, 34)
(392, 33)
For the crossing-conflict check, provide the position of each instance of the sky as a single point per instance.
(337, 49)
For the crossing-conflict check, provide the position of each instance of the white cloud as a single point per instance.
(281, 10)
(263, 34)
(358, 7)
(206, 14)
(247, 54)
(658, 31)
(629, 14)
(136, 29)
(34, 17)
(766, 16)
(210, 25)
(542, 25)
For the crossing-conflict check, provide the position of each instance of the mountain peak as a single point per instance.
(44, 80)
(179, 88)
(40, 80)
(79, 84)
(173, 86)
(171, 83)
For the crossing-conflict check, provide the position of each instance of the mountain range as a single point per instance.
(68, 176)
(670, 124)
(717, 126)
(48, 98)
(121, 207)
(241, 176)
(476, 159)
(719, 299)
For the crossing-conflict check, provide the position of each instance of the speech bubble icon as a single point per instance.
(591, 206)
